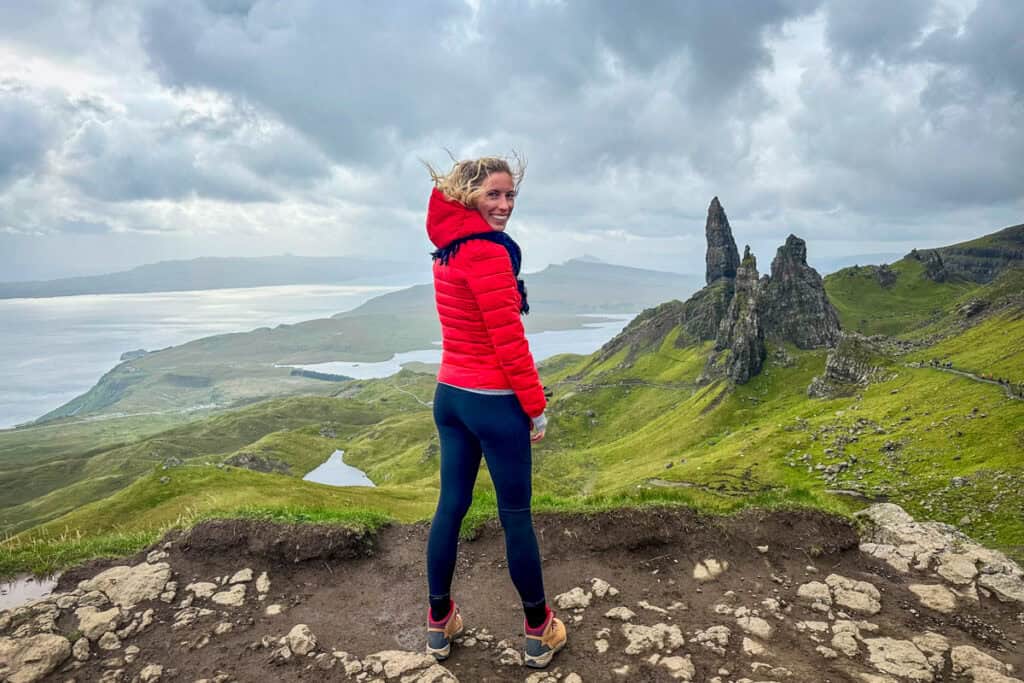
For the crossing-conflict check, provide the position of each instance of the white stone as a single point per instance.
(935, 596)
(957, 568)
(202, 589)
(602, 588)
(24, 660)
(601, 645)
(150, 673)
(752, 648)
(109, 641)
(573, 599)
(573, 678)
(680, 668)
(714, 638)
(815, 591)
(233, 597)
(620, 613)
(967, 658)
(127, 586)
(80, 650)
(1006, 587)
(397, 663)
(301, 640)
(242, 576)
(934, 646)
(92, 623)
(263, 583)
(898, 657)
(709, 569)
(826, 652)
(659, 636)
(643, 604)
(222, 628)
(756, 626)
(859, 596)
(846, 643)
(155, 556)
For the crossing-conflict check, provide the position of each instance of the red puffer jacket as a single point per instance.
(484, 344)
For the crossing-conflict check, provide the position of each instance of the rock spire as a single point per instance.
(741, 332)
(722, 257)
(795, 307)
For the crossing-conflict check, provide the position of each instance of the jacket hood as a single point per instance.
(448, 220)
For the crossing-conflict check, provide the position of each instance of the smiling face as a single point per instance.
(497, 198)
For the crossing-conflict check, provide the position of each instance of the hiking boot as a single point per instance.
(544, 641)
(441, 633)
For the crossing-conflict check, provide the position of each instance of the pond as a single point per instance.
(334, 472)
(24, 589)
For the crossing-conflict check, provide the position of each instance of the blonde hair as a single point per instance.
(464, 182)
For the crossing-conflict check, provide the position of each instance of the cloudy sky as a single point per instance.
(132, 132)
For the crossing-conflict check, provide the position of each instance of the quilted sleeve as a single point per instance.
(490, 279)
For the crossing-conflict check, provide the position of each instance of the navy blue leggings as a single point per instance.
(495, 426)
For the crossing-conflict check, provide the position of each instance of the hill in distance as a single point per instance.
(211, 273)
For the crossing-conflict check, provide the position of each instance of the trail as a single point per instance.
(647, 595)
(1008, 390)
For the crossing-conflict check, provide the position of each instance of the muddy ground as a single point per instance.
(364, 594)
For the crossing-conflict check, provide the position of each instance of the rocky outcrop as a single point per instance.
(258, 463)
(795, 306)
(741, 335)
(981, 260)
(853, 363)
(722, 257)
(736, 310)
(934, 268)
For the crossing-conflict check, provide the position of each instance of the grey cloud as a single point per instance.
(25, 135)
(368, 82)
(989, 45)
(875, 29)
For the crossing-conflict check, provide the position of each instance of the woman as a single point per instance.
(489, 397)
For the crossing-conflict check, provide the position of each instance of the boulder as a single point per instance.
(900, 658)
(24, 660)
(127, 586)
(659, 636)
(301, 640)
(93, 623)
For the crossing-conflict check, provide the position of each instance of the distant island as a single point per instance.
(211, 273)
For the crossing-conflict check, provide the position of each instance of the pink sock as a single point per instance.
(540, 629)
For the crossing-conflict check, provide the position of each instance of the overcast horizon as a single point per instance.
(135, 132)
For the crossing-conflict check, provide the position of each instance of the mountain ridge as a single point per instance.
(209, 272)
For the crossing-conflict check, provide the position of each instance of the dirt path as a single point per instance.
(361, 596)
(1008, 390)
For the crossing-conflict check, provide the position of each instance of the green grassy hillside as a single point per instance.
(641, 431)
(35, 494)
(631, 424)
(868, 307)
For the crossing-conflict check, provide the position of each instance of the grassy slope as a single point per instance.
(617, 427)
(615, 436)
(33, 495)
(866, 306)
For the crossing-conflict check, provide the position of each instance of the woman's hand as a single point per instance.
(540, 426)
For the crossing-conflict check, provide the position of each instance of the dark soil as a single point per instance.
(362, 594)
